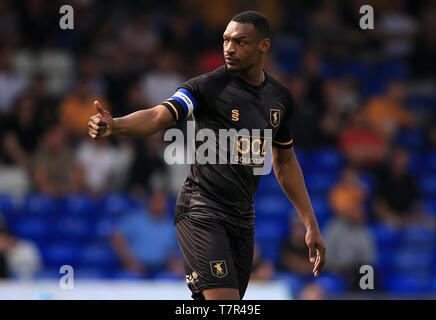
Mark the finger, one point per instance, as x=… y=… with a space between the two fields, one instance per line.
x=100 y=109
x=93 y=125
x=96 y=119
x=311 y=253
x=95 y=132
x=92 y=135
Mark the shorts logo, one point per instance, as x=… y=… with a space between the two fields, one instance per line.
x=218 y=268
x=274 y=117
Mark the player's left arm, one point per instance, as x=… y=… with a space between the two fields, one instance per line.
x=289 y=175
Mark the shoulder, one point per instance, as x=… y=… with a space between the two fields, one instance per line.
x=280 y=89
x=204 y=81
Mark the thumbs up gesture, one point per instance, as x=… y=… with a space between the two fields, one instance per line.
x=101 y=124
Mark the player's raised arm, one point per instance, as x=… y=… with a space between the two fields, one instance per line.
x=137 y=124
x=290 y=177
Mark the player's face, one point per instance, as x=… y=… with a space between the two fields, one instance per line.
x=241 y=46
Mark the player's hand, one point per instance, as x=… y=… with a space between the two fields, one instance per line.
x=316 y=247
x=101 y=124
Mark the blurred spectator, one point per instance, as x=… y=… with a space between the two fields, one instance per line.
x=103 y=164
x=145 y=240
x=11 y=85
x=54 y=171
x=312 y=291
x=294 y=252
x=263 y=269
x=3 y=266
x=348 y=193
x=397 y=28
x=46 y=104
x=78 y=107
x=361 y=145
x=307 y=114
x=161 y=83
x=326 y=27
x=22 y=257
x=153 y=176
x=387 y=113
x=120 y=87
x=23 y=133
x=397 y=197
x=347 y=238
x=422 y=59
x=332 y=119
x=139 y=37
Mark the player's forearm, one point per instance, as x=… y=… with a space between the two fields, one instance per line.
x=142 y=123
x=290 y=177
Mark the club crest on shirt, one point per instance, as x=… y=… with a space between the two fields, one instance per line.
x=218 y=268
x=274 y=117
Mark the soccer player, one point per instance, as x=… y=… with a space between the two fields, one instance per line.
x=214 y=215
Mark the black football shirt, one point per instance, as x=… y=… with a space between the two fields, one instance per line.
x=219 y=102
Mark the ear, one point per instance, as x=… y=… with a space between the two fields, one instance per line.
x=264 y=45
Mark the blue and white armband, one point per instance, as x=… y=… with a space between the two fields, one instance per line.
x=181 y=105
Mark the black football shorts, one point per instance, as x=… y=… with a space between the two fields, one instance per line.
x=216 y=254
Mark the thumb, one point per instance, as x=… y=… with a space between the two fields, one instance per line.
x=100 y=109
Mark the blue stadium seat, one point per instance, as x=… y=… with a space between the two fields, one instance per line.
x=121 y=274
x=115 y=204
x=357 y=69
x=319 y=183
x=269 y=185
x=406 y=283
x=428 y=185
x=90 y=273
x=392 y=69
x=49 y=274
x=40 y=204
x=270 y=248
x=78 y=205
x=8 y=207
x=418 y=236
x=430 y=162
x=33 y=228
x=75 y=228
x=430 y=205
x=411 y=260
x=413 y=140
x=386 y=237
x=321 y=209
x=61 y=253
x=417 y=164
x=272 y=206
x=98 y=254
x=331 y=283
x=325 y=160
x=266 y=229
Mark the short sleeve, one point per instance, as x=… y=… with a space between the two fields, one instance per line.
x=284 y=138
x=184 y=101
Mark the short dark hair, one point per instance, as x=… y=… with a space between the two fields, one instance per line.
x=258 y=20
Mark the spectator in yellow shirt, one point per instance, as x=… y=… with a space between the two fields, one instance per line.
x=77 y=108
x=387 y=113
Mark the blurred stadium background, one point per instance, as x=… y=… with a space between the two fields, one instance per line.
x=365 y=107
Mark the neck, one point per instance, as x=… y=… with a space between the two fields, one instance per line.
x=253 y=76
